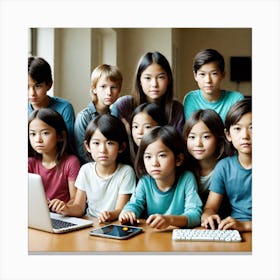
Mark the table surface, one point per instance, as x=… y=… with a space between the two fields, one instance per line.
x=150 y=241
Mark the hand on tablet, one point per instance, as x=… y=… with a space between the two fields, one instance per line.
x=128 y=217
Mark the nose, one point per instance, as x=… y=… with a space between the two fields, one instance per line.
x=31 y=91
x=155 y=161
x=208 y=78
x=198 y=141
x=245 y=133
x=38 y=138
x=102 y=147
x=154 y=82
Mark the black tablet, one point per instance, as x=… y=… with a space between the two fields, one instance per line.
x=116 y=231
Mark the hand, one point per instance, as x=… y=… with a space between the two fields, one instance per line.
x=127 y=217
x=56 y=205
x=158 y=221
x=104 y=217
x=212 y=221
x=231 y=223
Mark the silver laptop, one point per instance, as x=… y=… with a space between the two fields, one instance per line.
x=39 y=216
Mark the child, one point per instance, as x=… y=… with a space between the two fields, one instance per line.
x=153 y=83
x=209 y=71
x=39 y=82
x=232 y=175
x=51 y=157
x=106 y=83
x=166 y=190
x=204 y=133
x=105 y=184
x=144 y=118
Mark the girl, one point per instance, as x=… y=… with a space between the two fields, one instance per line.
x=232 y=175
x=144 y=118
x=51 y=157
x=104 y=185
x=153 y=83
x=204 y=133
x=166 y=190
x=106 y=83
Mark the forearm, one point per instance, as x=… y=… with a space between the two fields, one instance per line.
x=177 y=221
x=73 y=210
x=206 y=213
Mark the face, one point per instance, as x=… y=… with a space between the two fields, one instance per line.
x=142 y=122
x=160 y=162
x=240 y=134
x=37 y=93
x=201 y=142
x=106 y=91
x=102 y=150
x=43 y=138
x=154 y=82
x=209 y=78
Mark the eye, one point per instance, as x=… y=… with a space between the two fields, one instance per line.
x=191 y=137
x=31 y=134
x=162 y=155
x=148 y=126
x=147 y=157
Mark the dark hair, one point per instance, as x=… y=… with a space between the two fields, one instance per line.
x=113 y=129
x=215 y=124
x=55 y=120
x=172 y=139
x=139 y=96
x=39 y=70
x=235 y=113
x=207 y=56
x=155 y=112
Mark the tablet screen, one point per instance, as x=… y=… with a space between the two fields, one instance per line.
x=116 y=231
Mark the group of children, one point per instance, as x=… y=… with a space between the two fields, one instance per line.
x=145 y=155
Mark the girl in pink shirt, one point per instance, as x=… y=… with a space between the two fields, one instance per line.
x=50 y=156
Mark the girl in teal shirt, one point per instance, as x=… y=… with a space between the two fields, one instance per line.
x=167 y=191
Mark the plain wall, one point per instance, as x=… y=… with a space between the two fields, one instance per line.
x=75 y=52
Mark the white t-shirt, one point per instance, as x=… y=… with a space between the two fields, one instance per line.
x=102 y=193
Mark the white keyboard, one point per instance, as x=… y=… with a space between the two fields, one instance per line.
x=206 y=235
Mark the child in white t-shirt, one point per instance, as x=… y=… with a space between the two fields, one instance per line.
x=105 y=184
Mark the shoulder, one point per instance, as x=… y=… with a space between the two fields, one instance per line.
x=230 y=94
x=125 y=168
x=191 y=95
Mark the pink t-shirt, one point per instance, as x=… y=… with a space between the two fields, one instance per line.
x=56 y=181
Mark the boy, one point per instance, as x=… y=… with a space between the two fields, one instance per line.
x=39 y=82
x=208 y=69
x=106 y=83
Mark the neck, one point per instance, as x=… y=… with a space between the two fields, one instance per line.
x=101 y=109
x=105 y=171
x=44 y=104
x=49 y=160
x=245 y=160
x=213 y=96
x=206 y=166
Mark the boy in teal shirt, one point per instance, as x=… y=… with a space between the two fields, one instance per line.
x=208 y=69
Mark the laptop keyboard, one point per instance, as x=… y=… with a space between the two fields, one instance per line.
x=57 y=224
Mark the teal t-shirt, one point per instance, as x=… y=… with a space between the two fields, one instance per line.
x=194 y=100
x=181 y=199
x=230 y=178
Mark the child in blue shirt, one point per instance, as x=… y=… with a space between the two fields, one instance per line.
x=105 y=87
x=232 y=175
x=39 y=83
x=166 y=191
x=209 y=71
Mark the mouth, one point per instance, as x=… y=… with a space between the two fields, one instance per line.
x=155 y=172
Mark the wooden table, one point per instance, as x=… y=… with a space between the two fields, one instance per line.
x=150 y=241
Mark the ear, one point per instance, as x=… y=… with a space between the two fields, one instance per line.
x=195 y=76
x=223 y=75
x=49 y=85
x=227 y=134
x=179 y=159
x=122 y=147
x=87 y=146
